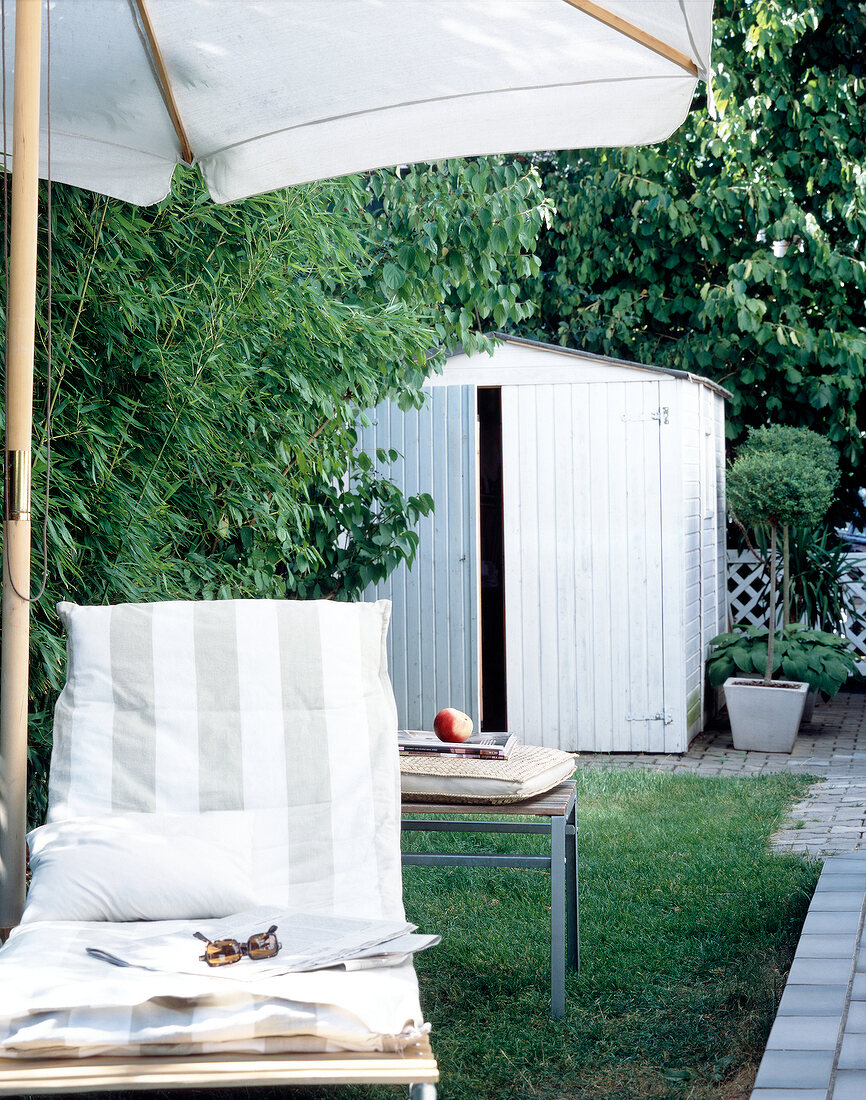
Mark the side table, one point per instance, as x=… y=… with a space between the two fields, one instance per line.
x=558 y=807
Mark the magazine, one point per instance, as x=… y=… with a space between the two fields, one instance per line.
x=482 y=746
x=308 y=941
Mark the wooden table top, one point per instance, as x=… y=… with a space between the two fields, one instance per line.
x=553 y=803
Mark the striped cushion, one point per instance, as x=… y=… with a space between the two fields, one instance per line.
x=284 y=708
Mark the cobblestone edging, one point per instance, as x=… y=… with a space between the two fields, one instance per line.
x=817 y=1046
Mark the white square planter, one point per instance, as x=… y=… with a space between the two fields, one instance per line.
x=765 y=718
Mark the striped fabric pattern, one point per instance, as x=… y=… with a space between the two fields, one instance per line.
x=58 y=1001
x=284 y=708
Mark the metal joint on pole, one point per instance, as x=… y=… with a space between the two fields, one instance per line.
x=16 y=499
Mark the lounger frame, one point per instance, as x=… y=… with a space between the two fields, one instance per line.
x=415 y=1067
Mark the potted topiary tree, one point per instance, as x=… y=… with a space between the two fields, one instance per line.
x=781 y=477
x=816 y=451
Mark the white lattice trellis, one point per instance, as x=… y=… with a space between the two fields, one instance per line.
x=746 y=583
x=746 y=586
x=856 y=628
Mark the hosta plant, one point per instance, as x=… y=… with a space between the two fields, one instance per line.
x=824 y=661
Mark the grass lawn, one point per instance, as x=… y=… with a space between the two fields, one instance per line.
x=688 y=926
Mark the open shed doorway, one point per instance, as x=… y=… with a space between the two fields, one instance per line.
x=494 y=714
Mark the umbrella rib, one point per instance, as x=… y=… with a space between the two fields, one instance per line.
x=161 y=73
x=615 y=22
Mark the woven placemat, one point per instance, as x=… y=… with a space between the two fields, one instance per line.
x=524 y=763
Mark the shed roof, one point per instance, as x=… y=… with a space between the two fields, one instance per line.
x=518 y=361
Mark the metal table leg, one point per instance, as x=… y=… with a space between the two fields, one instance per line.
x=557 y=917
x=561 y=828
x=571 y=888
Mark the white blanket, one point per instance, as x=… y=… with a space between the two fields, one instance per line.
x=57 y=1000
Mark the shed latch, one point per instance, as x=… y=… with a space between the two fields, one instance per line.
x=662 y=415
x=660 y=716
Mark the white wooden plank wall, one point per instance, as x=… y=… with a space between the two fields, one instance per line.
x=673 y=396
x=704 y=533
x=694 y=505
x=590 y=669
x=709 y=595
x=723 y=609
x=433 y=641
x=583 y=565
x=713 y=581
x=610 y=556
x=645 y=565
x=525 y=482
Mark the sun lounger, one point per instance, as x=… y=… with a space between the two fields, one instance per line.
x=215 y=765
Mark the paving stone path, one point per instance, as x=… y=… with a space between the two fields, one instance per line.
x=831 y=819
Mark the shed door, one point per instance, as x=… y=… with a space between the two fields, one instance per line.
x=585 y=630
x=433 y=642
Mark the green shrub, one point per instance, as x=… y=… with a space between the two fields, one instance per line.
x=823 y=660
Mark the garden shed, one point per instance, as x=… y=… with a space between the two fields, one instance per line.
x=574 y=569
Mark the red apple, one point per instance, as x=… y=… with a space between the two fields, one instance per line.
x=452 y=725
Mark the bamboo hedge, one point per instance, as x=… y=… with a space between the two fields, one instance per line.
x=210 y=364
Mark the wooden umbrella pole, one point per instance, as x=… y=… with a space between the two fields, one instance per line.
x=20 y=324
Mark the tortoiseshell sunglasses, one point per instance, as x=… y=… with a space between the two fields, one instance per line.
x=264 y=945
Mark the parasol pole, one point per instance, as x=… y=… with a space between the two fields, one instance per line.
x=20 y=325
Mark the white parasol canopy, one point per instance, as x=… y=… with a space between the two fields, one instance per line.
x=263 y=94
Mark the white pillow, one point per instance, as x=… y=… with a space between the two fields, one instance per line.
x=282 y=707
x=140 y=866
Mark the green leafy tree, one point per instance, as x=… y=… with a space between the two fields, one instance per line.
x=460 y=236
x=736 y=248
x=210 y=365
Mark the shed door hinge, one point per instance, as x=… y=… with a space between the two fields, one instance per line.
x=659 y=716
x=662 y=415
